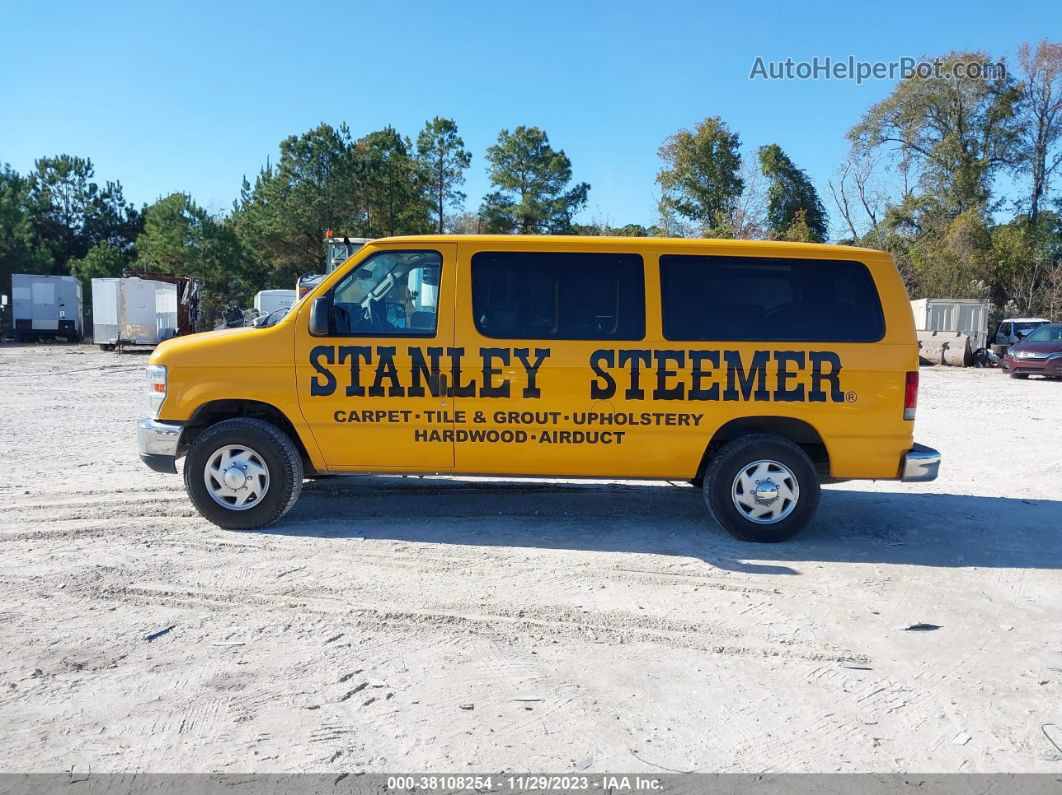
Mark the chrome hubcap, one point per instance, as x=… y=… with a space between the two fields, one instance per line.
x=765 y=492
x=236 y=477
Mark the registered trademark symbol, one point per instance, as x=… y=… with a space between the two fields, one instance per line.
x=850 y=397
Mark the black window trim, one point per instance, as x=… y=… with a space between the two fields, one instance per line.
x=755 y=259
x=330 y=295
x=485 y=335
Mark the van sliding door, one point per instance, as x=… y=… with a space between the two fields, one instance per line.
x=531 y=322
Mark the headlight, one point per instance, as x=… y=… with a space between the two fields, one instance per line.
x=1055 y=355
x=156 y=377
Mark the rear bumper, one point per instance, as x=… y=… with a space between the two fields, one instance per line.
x=158 y=443
x=920 y=464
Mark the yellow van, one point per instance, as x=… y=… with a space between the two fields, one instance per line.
x=755 y=370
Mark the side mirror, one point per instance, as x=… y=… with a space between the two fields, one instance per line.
x=320 y=315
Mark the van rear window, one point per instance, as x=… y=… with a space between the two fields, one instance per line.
x=765 y=299
x=564 y=296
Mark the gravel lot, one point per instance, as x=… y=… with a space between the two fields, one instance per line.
x=462 y=625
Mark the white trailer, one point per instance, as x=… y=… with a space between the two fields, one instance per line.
x=268 y=301
x=132 y=311
x=46 y=306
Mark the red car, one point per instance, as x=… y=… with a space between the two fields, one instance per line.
x=1040 y=353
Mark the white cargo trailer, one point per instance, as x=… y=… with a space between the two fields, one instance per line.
x=269 y=301
x=132 y=311
x=46 y=306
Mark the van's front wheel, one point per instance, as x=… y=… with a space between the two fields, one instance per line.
x=762 y=487
x=243 y=473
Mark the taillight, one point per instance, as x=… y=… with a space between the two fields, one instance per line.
x=910 y=395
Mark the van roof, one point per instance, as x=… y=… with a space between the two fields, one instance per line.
x=622 y=242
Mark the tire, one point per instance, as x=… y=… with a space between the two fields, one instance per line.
x=1022 y=376
x=269 y=448
x=783 y=465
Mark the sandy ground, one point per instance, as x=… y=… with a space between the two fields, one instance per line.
x=444 y=625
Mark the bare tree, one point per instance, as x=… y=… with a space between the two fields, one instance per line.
x=669 y=221
x=750 y=209
x=1052 y=294
x=1030 y=285
x=859 y=196
x=601 y=222
x=840 y=196
x=1041 y=109
x=871 y=195
x=465 y=224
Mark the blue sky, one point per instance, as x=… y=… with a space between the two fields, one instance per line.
x=191 y=96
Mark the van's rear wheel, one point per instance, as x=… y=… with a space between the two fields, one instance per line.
x=243 y=473
x=762 y=487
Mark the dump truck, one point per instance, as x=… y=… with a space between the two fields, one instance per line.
x=950 y=330
x=338 y=249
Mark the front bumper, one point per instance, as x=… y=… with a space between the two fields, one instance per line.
x=920 y=464
x=1044 y=366
x=158 y=443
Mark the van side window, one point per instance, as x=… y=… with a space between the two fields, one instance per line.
x=391 y=294
x=767 y=299
x=564 y=296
